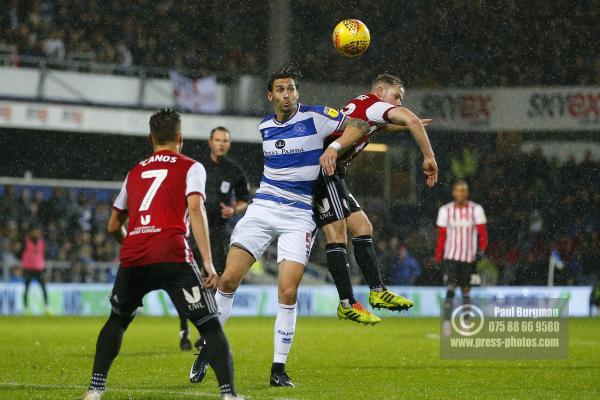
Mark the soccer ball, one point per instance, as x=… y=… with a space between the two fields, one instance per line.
x=351 y=38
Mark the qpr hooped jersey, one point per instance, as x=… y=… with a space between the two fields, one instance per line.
x=369 y=108
x=291 y=152
x=154 y=195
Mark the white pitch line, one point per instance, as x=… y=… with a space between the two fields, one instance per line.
x=432 y=336
x=186 y=393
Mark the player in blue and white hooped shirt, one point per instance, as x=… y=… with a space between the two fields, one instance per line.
x=293 y=140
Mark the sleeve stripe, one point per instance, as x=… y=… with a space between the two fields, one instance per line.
x=339 y=125
x=196 y=192
x=385 y=114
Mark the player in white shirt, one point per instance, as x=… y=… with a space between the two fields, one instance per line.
x=293 y=140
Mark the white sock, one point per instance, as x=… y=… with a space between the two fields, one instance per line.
x=285 y=326
x=224 y=304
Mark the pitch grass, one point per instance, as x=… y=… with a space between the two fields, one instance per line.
x=51 y=358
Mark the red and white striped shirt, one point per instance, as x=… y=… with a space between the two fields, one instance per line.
x=461 y=230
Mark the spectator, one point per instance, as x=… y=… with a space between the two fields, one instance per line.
x=33 y=261
x=404 y=271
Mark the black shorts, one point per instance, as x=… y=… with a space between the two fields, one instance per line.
x=332 y=201
x=219 y=246
x=29 y=275
x=457 y=273
x=181 y=281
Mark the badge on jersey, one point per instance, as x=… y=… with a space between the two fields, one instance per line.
x=225 y=187
x=331 y=112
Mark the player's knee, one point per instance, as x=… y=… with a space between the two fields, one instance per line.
x=121 y=319
x=336 y=232
x=363 y=228
x=229 y=282
x=288 y=294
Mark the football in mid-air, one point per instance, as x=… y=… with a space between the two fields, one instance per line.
x=351 y=38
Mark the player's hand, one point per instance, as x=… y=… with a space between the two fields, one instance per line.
x=328 y=160
x=430 y=169
x=226 y=211
x=425 y=121
x=211 y=280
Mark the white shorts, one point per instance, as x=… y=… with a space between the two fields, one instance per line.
x=266 y=221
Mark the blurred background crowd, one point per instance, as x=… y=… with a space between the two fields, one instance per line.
x=548 y=206
x=557 y=45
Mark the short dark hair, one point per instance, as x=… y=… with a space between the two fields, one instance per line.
x=387 y=78
x=218 y=128
x=165 y=125
x=291 y=70
x=459 y=182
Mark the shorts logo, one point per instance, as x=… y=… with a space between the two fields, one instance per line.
x=324 y=206
x=280 y=144
x=145 y=219
x=194 y=297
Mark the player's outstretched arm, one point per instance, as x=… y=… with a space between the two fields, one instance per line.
x=354 y=129
x=199 y=224
x=115 y=226
x=401 y=128
x=403 y=116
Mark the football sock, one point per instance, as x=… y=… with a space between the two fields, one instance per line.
x=218 y=354
x=98 y=382
x=285 y=326
x=466 y=299
x=183 y=327
x=448 y=304
x=365 y=256
x=107 y=348
x=224 y=303
x=339 y=268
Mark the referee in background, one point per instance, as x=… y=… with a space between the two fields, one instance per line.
x=462 y=241
x=227 y=195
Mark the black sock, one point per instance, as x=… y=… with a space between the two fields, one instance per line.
x=25 y=293
x=107 y=348
x=277 y=368
x=183 y=326
x=466 y=299
x=448 y=308
x=218 y=354
x=339 y=268
x=365 y=256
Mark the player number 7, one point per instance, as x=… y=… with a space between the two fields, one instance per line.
x=159 y=176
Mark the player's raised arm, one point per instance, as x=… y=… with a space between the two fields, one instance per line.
x=403 y=116
x=354 y=129
x=199 y=225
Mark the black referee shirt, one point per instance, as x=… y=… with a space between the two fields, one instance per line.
x=225 y=182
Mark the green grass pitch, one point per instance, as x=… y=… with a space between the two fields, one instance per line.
x=51 y=358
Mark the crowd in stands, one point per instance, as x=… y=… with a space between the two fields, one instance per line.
x=185 y=35
x=430 y=44
x=533 y=205
x=73 y=223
